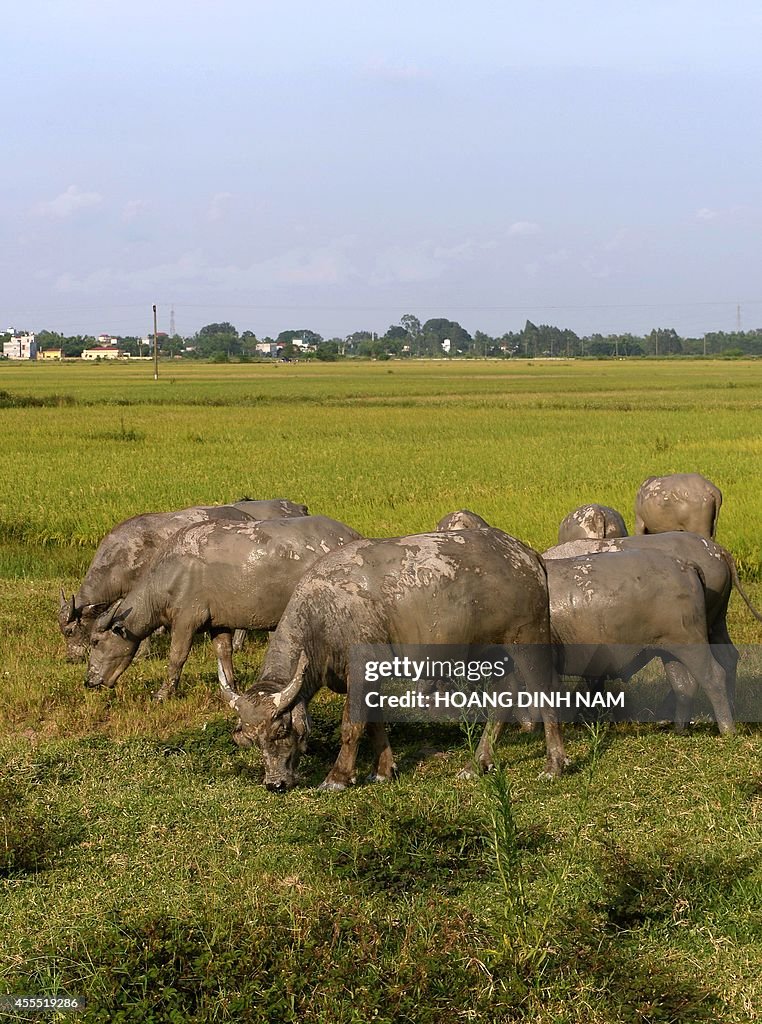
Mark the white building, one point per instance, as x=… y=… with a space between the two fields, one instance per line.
x=21 y=346
x=103 y=352
x=303 y=346
x=266 y=348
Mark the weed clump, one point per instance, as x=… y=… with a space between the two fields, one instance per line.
x=30 y=837
x=275 y=963
x=9 y=400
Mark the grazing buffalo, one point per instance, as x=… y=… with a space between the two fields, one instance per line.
x=126 y=551
x=591 y=522
x=462 y=587
x=715 y=572
x=714 y=564
x=612 y=613
x=219 y=576
x=683 y=501
x=463 y=519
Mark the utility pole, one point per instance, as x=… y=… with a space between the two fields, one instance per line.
x=155 y=346
x=738 y=318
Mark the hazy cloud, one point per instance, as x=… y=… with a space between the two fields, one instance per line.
x=524 y=228
x=424 y=261
x=550 y=259
x=217 y=206
x=68 y=203
x=619 y=240
x=134 y=208
x=188 y=269
x=706 y=214
x=314 y=265
x=595 y=268
x=319 y=265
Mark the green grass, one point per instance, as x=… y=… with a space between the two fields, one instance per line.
x=389 y=451
x=144 y=866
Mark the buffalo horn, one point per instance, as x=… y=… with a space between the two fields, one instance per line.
x=105 y=620
x=68 y=609
x=289 y=696
x=251 y=711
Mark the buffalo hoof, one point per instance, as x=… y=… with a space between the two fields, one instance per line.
x=332 y=786
x=376 y=777
x=277 y=787
x=553 y=769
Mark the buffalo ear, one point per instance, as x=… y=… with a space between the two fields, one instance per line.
x=302 y=723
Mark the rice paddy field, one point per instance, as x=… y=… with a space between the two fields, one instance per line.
x=144 y=868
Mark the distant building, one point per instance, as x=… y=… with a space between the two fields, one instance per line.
x=104 y=352
x=50 y=354
x=267 y=348
x=21 y=346
x=107 y=339
x=303 y=346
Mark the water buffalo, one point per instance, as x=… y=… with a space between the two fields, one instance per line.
x=591 y=522
x=716 y=568
x=683 y=501
x=219 y=576
x=458 y=587
x=612 y=613
x=126 y=551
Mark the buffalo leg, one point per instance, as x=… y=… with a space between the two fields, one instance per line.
x=484 y=756
x=534 y=667
x=343 y=773
x=684 y=688
x=223 y=647
x=698 y=660
x=726 y=653
x=383 y=756
x=182 y=640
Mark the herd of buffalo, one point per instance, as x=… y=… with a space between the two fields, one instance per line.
x=323 y=588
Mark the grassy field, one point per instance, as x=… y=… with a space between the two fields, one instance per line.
x=144 y=867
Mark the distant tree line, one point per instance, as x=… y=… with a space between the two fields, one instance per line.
x=436 y=338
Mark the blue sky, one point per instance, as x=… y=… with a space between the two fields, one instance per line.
x=334 y=165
